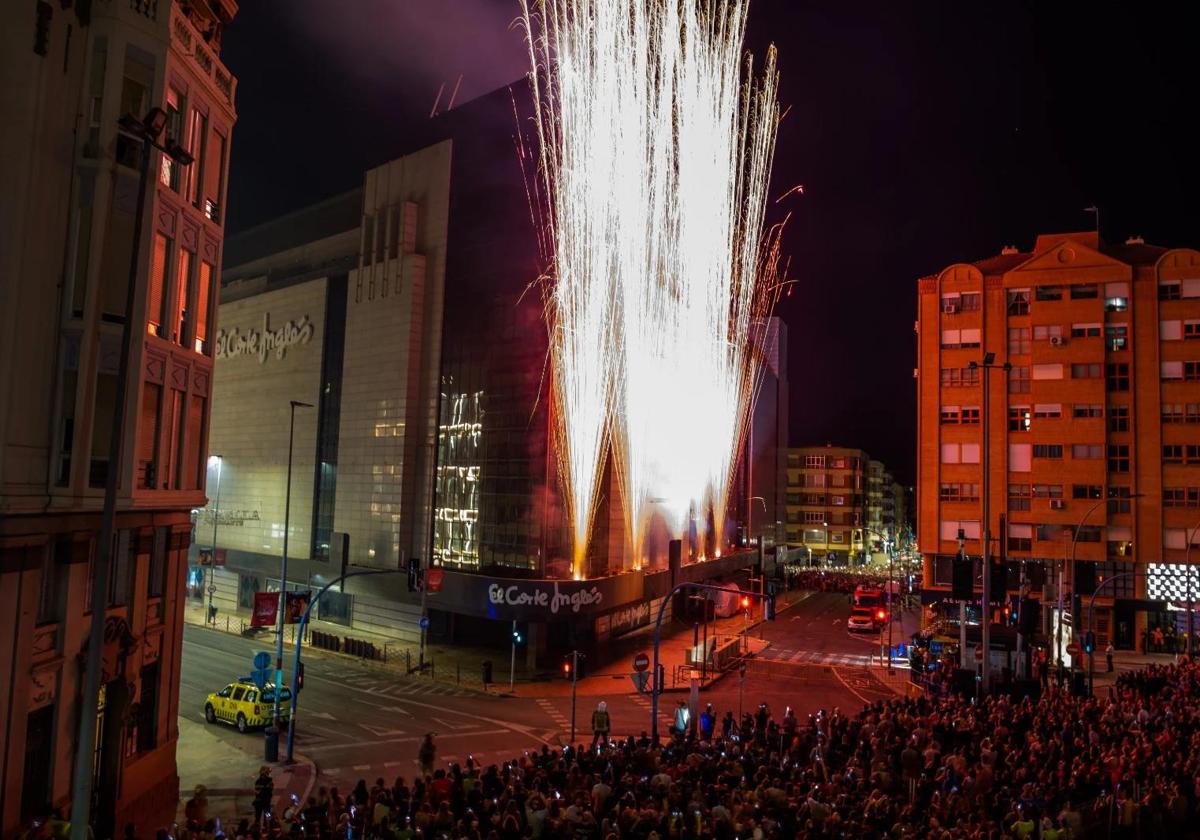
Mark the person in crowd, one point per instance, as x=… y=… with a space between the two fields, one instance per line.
x=264 y=792
x=600 y=724
x=426 y=754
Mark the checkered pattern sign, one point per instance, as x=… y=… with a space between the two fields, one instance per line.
x=1168 y=582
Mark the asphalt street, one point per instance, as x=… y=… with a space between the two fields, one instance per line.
x=362 y=721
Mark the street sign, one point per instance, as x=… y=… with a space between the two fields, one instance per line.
x=424 y=622
x=641 y=662
x=433 y=580
x=1073 y=649
x=262 y=659
x=640 y=679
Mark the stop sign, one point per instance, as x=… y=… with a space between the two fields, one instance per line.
x=641 y=662
x=1074 y=649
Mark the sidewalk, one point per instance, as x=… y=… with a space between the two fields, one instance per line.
x=228 y=772
x=460 y=665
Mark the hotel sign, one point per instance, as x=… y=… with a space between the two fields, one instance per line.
x=265 y=341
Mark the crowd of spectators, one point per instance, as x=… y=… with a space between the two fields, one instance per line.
x=1124 y=765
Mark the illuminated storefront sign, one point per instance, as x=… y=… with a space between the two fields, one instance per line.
x=545 y=597
x=265 y=341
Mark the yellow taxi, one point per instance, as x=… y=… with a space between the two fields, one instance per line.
x=244 y=705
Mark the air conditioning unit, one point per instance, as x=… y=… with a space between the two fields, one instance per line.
x=1057 y=341
x=949 y=307
x=1057 y=504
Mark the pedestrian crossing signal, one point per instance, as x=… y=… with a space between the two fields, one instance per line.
x=518 y=638
x=1089 y=642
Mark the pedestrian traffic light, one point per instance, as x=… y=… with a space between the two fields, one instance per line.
x=299 y=676
x=518 y=637
x=1089 y=642
x=567 y=667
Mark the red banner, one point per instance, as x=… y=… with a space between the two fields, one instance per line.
x=433 y=580
x=266 y=604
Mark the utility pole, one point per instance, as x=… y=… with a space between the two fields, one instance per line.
x=574 y=683
x=512 y=663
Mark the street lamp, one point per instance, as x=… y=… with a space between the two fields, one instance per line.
x=272 y=737
x=985 y=624
x=212 y=561
x=825 y=524
x=1187 y=570
x=147 y=131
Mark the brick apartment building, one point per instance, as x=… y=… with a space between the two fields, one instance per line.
x=1094 y=432
x=831 y=492
x=67 y=232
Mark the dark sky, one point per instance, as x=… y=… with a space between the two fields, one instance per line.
x=923 y=133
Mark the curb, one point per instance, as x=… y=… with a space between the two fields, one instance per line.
x=312 y=777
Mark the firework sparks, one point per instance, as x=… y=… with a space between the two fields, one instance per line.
x=655 y=158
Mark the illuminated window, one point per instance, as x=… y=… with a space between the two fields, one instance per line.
x=1018 y=418
x=1116 y=337
x=170 y=170
x=156 y=299
x=182 y=296
x=203 y=296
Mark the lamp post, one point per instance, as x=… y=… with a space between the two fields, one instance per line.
x=985 y=618
x=1187 y=570
x=272 y=736
x=825 y=524
x=147 y=131
x=212 y=561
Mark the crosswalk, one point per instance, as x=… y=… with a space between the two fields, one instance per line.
x=388 y=685
x=815 y=657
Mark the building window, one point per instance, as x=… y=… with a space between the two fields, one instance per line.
x=969 y=301
x=1172 y=412
x=1018 y=379
x=1047 y=410
x=1116 y=297
x=1046 y=332
x=197 y=143
x=36 y=779
x=1047 y=491
x=156 y=300
x=147 y=706
x=959 y=492
x=1170 y=291
x=1085 y=291
x=1047 y=293
x=1122 y=587
x=1018 y=301
x=1019 y=497
x=838 y=500
x=1085 y=330
x=1116 y=337
x=53 y=589
x=214 y=177
x=1191 y=329
x=170 y=170
x=949 y=415
x=1193 y=412
x=182 y=298
x=1018 y=418
x=1047 y=450
x=1018 y=341
x=1119 y=500
x=815 y=517
x=1170 y=330
x=156 y=580
x=1087 y=410
x=1118 y=418
x=970 y=415
x=1118 y=458
x=1020 y=544
x=814 y=461
x=1191 y=371
x=1085 y=371
x=1087 y=450
x=1117 y=376
x=1085 y=491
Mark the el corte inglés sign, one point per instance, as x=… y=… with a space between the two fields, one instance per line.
x=265 y=341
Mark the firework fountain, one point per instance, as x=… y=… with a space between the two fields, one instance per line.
x=655 y=153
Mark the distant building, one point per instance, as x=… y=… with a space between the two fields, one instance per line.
x=832 y=492
x=766 y=440
x=71 y=177
x=1099 y=406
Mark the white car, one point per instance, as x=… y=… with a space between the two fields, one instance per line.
x=861 y=618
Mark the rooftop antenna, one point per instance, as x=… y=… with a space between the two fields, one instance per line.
x=1094 y=209
x=433 y=111
x=454 y=94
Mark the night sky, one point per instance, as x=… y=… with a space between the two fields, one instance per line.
x=923 y=133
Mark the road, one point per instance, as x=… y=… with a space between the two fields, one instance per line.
x=363 y=721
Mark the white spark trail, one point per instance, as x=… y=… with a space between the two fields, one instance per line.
x=655 y=157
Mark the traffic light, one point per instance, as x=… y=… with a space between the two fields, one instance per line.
x=518 y=637
x=881 y=615
x=999 y=581
x=1089 y=642
x=962 y=581
x=567 y=667
x=300 y=676
x=745 y=602
x=414 y=574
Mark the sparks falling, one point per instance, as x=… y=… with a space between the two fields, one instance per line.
x=655 y=153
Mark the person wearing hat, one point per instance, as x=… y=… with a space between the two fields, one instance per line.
x=600 y=723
